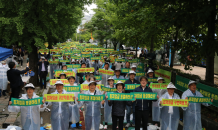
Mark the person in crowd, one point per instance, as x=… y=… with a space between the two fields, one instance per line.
x=150 y=73
x=142 y=106
x=59 y=110
x=169 y=115
x=104 y=76
x=45 y=55
x=87 y=75
x=92 y=109
x=15 y=80
x=74 y=110
x=131 y=80
x=64 y=67
x=192 y=113
x=3 y=77
x=80 y=75
x=127 y=66
x=118 y=108
x=20 y=56
x=155 y=106
x=30 y=115
x=96 y=64
x=85 y=60
x=107 y=108
x=61 y=64
x=43 y=71
x=52 y=68
x=142 y=55
x=63 y=76
x=117 y=74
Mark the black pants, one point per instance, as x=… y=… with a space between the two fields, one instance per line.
x=114 y=120
x=141 y=116
x=20 y=62
x=42 y=76
x=15 y=93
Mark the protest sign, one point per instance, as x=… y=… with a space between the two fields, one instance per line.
x=26 y=102
x=72 y=88
x=83 y=70
x=53 y=81
x=163 y=73
x=193 y=99
x=131 y=86
x=108 y=89
x=107 y=72
x=145 y=95
x=59 y=97
x=85 y=97
x=121 y=96
x=152 y=79
x=175 y=102
x=158 y=85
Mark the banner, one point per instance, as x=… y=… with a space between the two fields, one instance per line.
x=95 y=58
x=140 y=67
x=42 y=51
x=104 y=54
x=152 y=79
x=122 y=50
x=121 y=96
x=86 y=55
x=139 y=74
x=64 y=60
x=107 y=72
x=59 y=97
x=122 y=80
x=83 y=70
x=175 y=102
x=98 y=77
x=131 y=86
x=86 y=86
x=54 y=50
x=207 y=91
x=72 y=88
x=76 y=57
x=56 y=56
x=199 y=100
x=164 y=74
x=76 y=51
x=73 y=65
x=125 y=70
x=120 y=60
x=26 y=102
x=145 y=95
x=129 y=55
x=53 y=81
x=68 y=73
x=108 y=89
x=95 y=98
x=133 y=61
x=158 y=85
x=53 y=62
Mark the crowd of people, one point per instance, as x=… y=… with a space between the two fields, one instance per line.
x=63 y=114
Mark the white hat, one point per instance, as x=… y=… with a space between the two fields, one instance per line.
x=150 y=70
x=160 y=78
x=123 y=57
x=170 y=85
x=92 y=82
x=130 y=58
x=192 y=82
x=42 y=57
x=133 y=66
x=29 y=85
x=73 y=60
x=105 y=56
x=91 y=72
x=3 y=62
x=119 y=82
x=110 y=78
x=117 y=68
x=132 y=72
x=59 y=82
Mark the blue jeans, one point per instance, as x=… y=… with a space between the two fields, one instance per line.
x=128 y=108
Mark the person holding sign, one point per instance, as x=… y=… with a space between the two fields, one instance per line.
x=92 y=108
x=30 y=115
x=118 y=107
x=142 y=106
x=107 y=108
x=131 y=80
x=105 y=76
x=96 y=64
x=60 y=110
x=74 y=110
x=87 y=75
x=192 y=113
x=169 y=115
x=155 y=106
x=62 y=76
x=117 y=74
x=150 y=73
x=80 y=75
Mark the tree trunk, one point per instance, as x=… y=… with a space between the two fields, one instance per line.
x=152 y=44
x=211 y=40
x=173 y=50
x=33 y=60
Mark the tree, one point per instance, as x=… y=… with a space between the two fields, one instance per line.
x=34 y=22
